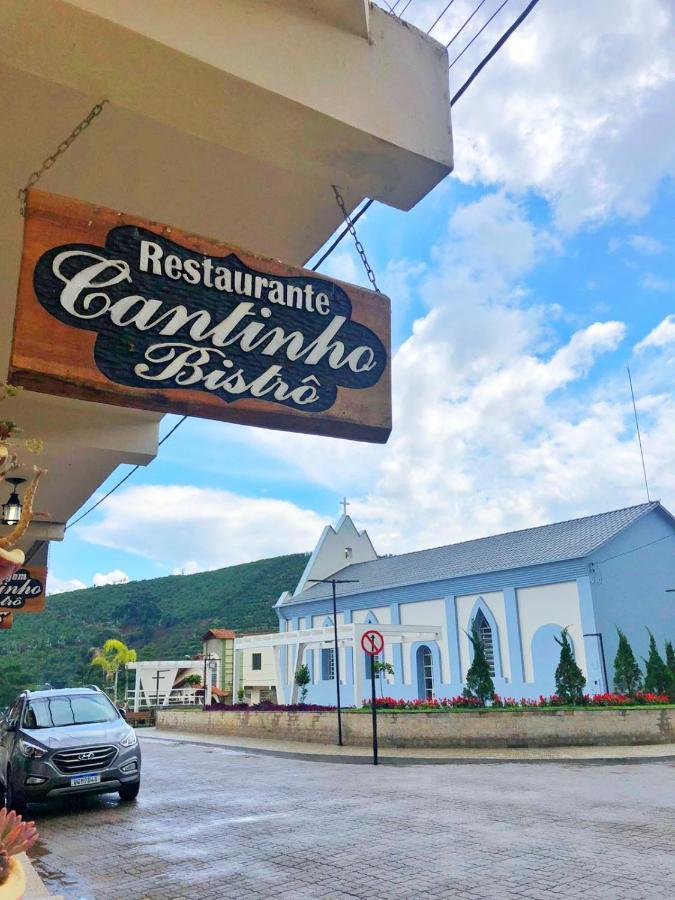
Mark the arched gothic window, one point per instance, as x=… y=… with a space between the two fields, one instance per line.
x=485 y=632
x=425 y=673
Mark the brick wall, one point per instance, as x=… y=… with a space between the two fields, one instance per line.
x=517 y=728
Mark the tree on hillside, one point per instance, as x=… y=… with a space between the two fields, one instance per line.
x=13 y=680
x=111 y=658
x=627 y=672
x=569 y=679
x=479 y=682
x=657 y=674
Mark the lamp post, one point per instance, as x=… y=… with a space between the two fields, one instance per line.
x=333 y=582
x=212 y=662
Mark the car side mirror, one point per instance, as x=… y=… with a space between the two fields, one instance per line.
x=122 y=711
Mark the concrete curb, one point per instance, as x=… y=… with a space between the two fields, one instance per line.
x=537 y=757
x=35 y=886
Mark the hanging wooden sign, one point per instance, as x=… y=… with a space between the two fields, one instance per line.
x=6 y=619
x=121 y=310
x=24 y=591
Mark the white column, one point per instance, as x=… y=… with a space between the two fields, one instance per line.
x=235 y=674
x=297 y=662
x=278 y=680
x=137 y=690
x=358 y=667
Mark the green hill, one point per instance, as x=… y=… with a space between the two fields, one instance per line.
x=162 y=618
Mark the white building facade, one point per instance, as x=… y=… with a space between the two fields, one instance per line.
x=521 y=589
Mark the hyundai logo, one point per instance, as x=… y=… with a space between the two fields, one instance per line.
x=89 y=755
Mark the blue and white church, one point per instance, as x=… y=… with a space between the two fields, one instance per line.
x=590 y=575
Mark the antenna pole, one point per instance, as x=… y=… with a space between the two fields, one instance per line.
x=637 y=428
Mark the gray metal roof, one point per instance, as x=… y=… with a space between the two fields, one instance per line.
x=513 y=550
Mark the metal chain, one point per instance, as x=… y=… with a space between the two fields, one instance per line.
x=359 y=246
x=63 y=146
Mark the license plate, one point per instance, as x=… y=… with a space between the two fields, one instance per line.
x=85 y=779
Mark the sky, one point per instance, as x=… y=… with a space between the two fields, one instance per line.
x=522 y=287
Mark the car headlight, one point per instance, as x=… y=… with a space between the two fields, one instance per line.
x=32 y=750
x=130 y=740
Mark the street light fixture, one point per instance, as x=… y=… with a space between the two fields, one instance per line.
x=335 y=581
x=11 y=510
x=212 y=662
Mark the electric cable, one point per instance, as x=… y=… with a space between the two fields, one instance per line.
x=440 y=16
x=460 y=30
x=500 y=43
x=122 y=480
x=478 y=34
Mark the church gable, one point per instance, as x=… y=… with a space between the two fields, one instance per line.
x=338 y=547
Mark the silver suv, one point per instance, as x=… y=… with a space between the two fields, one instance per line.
x=58 y=743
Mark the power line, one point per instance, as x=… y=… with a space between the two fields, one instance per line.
x=635 y=549
x=639 y=436
x=355 y=218
x=478 y=34
x=500 y=43
x=440 y=16
x=460 y=30
x=122 y=480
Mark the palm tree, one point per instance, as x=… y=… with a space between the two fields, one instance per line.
x=111 y=657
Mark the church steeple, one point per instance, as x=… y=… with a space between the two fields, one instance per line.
x=338 y=547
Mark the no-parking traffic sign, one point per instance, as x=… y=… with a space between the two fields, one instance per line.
x=372 y=642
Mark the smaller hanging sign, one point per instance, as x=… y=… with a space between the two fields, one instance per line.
x=6 y=620
x=121 y=310
x=24 y=591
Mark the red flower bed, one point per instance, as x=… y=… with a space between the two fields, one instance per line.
x=267 y=706
x=460 y=702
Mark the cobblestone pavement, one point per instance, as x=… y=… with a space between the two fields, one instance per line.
x=213 y=823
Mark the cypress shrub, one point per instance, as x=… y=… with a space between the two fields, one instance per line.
x=657 y=674
x=627 y=672
x=479 y=683
x=569 y=679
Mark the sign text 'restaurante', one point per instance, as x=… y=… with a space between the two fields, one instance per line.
x=165 y=316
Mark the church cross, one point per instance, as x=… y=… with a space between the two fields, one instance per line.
x=344 y=503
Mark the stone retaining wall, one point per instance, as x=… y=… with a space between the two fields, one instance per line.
x=512 y=728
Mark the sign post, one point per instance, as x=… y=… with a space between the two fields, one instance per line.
x=372 y=643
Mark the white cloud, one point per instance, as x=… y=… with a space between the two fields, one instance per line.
x=57 y=585
x=654 y=283
x=661 y=336
x=577 y=105
x=501 y=420
x=116 y=576
x=641 y=243
x=188 y=527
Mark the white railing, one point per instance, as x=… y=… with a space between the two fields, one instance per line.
x=177 y=697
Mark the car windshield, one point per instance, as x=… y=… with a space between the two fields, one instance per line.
x=79 y=709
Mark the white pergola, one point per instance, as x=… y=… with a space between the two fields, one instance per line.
x=349 y=636
x=155 y=681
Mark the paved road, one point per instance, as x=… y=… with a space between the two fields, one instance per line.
x=213 y=823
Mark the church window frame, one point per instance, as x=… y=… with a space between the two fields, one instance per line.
x=328 y=663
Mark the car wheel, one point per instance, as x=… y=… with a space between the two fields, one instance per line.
x=14 y=799
x=129 y=791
